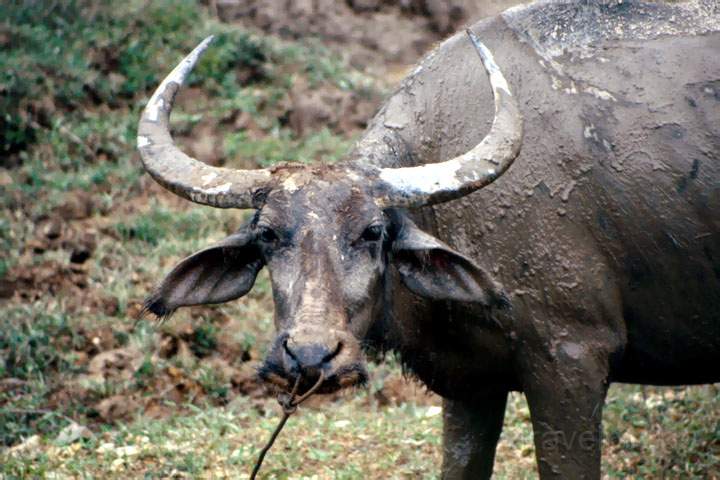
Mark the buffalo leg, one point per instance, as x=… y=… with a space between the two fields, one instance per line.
x=566 y=399
x=470 y=435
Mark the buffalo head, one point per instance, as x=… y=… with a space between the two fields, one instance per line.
x=327 y=234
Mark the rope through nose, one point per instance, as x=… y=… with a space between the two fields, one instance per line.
x=289 y=405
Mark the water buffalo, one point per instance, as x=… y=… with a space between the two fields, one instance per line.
x=594 y=259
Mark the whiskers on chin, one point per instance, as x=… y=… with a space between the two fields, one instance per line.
x=345 y=377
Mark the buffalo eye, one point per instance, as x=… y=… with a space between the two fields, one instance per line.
x=373 y=233
x=267 y=235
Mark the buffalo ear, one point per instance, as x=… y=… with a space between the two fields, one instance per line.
x=431 y=269
x=217 y=274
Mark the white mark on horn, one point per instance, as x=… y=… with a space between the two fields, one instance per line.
x=224 y=188
x=153 y=108
x=142 y=141
x=497 y=79
x=208 y=178
x=289 y=185
x=499 y=83
x=432 y=177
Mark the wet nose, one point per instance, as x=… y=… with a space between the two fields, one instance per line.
x=310 y=359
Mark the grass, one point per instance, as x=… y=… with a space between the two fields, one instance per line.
x=75 y=76
x=280 y=146
x=355 y=437
x=223 y=443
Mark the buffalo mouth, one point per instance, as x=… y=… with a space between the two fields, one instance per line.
x=335 y=379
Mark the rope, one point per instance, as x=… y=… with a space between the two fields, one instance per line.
x=289 y=405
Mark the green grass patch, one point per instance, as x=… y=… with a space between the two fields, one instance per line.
x=357 y=438
x=34 y=344
x=281 y=146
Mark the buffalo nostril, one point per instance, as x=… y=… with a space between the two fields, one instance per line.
x=287 y=350
x=311 y=358
x=333 y=353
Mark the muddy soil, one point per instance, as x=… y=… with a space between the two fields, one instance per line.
x=374 y=34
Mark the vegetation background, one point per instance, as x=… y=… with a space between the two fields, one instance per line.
x=87 y=388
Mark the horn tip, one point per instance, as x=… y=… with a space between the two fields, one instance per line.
x=480 y=47
x=473 y=36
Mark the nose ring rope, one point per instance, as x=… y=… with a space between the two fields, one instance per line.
x=289 y=404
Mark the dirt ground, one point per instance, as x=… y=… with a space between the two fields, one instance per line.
x=383 y=35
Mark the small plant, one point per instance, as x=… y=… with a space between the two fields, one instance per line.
x=144 y=372
x=204 y=339
x=148 y=227
x=34 y=346
x=4 y=267
x=214 y=385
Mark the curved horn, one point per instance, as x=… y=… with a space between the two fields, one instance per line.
x=439 y=182
x=179 y=173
